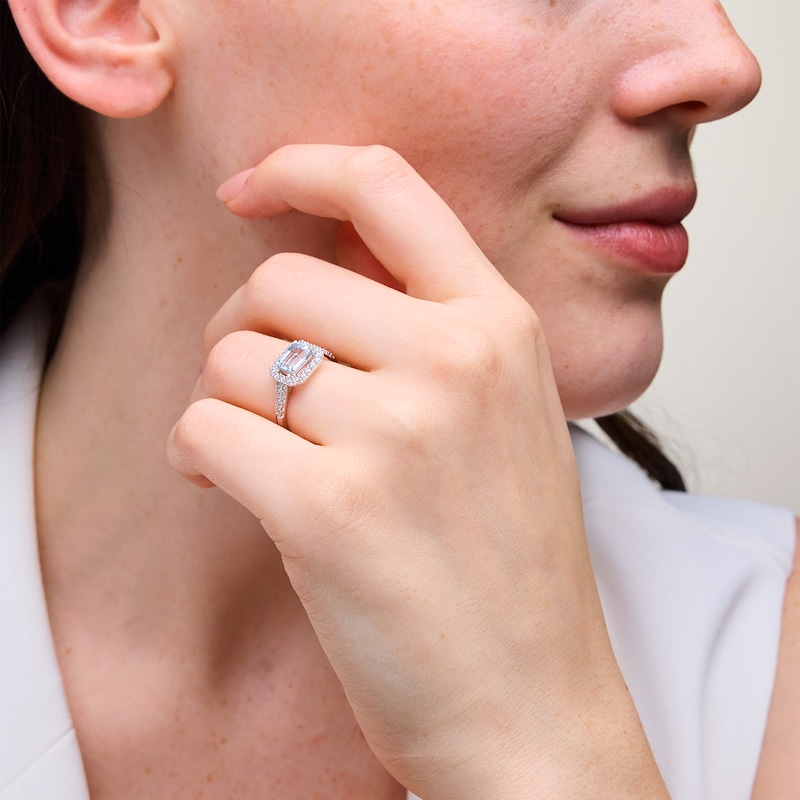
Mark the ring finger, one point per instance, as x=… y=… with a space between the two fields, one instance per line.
x=237 y=371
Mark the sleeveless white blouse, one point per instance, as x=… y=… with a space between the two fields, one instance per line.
x=692 y=589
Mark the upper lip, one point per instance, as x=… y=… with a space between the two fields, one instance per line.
x=663 y=207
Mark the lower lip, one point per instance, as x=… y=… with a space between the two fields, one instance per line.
x=659 y=249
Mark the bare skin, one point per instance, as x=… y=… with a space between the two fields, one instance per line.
x=174 y=641
x=192 y=663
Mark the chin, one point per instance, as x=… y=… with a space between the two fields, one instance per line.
x=607 y=381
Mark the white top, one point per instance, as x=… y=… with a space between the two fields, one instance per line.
x=39 y=756
x=692 y=589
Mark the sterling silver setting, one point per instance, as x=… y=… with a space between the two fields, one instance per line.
x=293 y=367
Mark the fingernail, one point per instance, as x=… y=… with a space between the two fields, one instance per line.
x=233 y=186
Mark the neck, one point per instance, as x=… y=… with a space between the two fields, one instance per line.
x=127 y=545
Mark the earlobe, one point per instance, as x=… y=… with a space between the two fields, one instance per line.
x=104 y=54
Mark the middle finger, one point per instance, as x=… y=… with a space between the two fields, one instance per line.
x=293 y=296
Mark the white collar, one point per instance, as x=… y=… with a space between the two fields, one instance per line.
x=39 y=756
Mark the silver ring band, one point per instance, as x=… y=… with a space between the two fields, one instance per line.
x=293 y=367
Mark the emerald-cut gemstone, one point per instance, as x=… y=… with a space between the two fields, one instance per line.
x=297 y=362
x=294 y=358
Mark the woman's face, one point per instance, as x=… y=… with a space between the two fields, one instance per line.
x=558 y=130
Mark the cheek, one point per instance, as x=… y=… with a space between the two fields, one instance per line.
x=467 y=94
x=489 y=113
x=484 y=130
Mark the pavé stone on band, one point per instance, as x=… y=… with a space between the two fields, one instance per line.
x=293 y=367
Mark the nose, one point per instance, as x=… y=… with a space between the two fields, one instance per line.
x=697 y=70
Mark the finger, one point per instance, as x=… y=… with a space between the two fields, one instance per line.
x=408 y=228
x=242 y=453
x=292 y=296
x=320 y=410
x=355 y=256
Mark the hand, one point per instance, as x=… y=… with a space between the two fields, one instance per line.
x=425 y=501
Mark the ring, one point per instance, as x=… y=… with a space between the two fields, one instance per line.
x=293 y=367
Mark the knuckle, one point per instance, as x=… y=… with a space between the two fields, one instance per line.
x=471 y=362
x=466 y=353
x=224 y=357
x=281 y=274
x=377 y=168
x=258 y=287
x=191 y=431
x=523 y=322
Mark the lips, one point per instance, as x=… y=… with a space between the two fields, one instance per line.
x=644 y=233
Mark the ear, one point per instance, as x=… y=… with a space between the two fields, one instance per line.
x=106 y=55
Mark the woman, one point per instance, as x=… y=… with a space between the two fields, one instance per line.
x=429 y=619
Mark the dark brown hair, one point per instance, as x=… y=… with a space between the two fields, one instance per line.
x=44 y=197
x=634 y=439
x=43 y=189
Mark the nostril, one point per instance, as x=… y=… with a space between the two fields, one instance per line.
x=692 y=106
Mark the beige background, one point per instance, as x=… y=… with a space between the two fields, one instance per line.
x=727 y=399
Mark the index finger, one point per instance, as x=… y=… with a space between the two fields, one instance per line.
x=401 y=219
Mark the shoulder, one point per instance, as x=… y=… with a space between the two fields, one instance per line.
x=692 y=589
x=779 y=769
x=621 y=502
